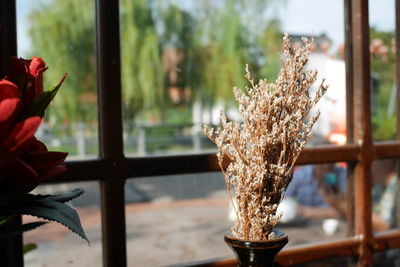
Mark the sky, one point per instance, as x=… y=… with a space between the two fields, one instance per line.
x=318 y=16
x=297 y=17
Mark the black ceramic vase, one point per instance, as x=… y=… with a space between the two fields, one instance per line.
x=256 y=253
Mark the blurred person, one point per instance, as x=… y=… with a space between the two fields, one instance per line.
x=309 y=182
x=385 y=203
x=384 y=196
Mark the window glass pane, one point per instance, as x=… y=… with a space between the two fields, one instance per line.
x=63 y=34
x=387 y=258
x=383 y=69
x=385 y=195
x=56 y=244
x=314 y=208
x=176 y=219
x=183 y=218
x=178 y=69
x=324 y=21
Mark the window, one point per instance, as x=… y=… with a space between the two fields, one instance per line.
x=112 y=168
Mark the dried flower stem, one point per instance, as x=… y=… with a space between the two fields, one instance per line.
x=263 y=150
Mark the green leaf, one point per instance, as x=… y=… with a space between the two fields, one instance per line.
x=4 y=219
x=55 y=211
x=44 y=206
x=67 y=196
x=39 y=105
x=29 y=247
x=7 y=232
x=11 y=203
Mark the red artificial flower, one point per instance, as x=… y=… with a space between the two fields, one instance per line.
x=24 y=161
x=33 y=167
x=28 y=76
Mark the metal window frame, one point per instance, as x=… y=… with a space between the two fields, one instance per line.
x=112 y=168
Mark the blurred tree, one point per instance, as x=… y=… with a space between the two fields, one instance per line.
x=177 y=30
x=194 y=51
x=271 y=41
x=243 y=35
x=142 y=70
x=63 y=35
x=224 y=56
x=383 y=68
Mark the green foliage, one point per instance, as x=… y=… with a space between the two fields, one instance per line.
x=7 y=231
x=384 y=127
x=271 y=42
x=142 y=71
x=63 y=35
x=48 y=207
x=66 y=196
x=4 y=219
x=40 y=103
x=212 y=40
x=227 y=54
x=383 y=67
x=29 y=247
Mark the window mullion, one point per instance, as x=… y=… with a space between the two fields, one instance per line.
x=397 y=81
x=349 y=113
x=11 y=248
x=8 y=35
x=362 y=129
x=110 y=133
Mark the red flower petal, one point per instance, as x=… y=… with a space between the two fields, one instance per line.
x=37 y=66
x=8 y=90
x=21 y=133
x=8 y=110
x=56 y=171
x=37 y=146
x=44 y=161
x=18 y=72
x=30 y=90
x=20 y=177
x=6 y=157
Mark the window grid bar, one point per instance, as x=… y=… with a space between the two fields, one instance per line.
x=348 y=30
x=142 y=167
x=110 y=133
x=85 y=171
x=96 y=170
x=8 y=38
x=386 y=150
x=308 y=253
x=303 y=254
x=362 y=130
x=387 y=240
x=397 y=82
x=11 y=249
x=313 y=252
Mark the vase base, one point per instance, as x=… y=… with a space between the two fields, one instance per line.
x=256 y=253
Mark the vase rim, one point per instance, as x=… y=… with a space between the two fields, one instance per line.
x=281 y=239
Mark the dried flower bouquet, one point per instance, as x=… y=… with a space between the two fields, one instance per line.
x=263 y=149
